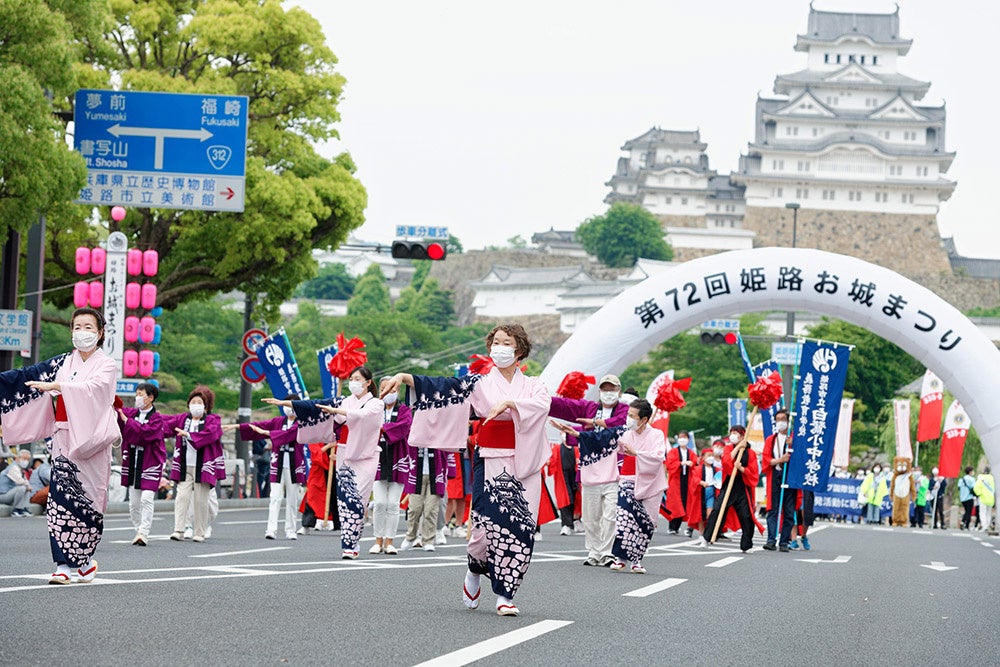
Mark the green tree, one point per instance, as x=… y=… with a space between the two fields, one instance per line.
x=371 y=296
x=623 y=234
x=422 y=270
x=406 y=304
x=877 y=368
x=716 y=370
x=454 y=246
x=331 y=282
x=295 y=199
x=433 y=306
x=40 y=42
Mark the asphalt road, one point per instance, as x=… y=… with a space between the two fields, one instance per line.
x=240 y=599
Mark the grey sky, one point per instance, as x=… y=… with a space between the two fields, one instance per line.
x=497 y=119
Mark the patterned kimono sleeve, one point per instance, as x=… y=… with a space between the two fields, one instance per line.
x=314 y=424
x=596 y=445
x=399 y=430
x=26 y=414
x=93 y=423
x=210 y=433
x=441 y=419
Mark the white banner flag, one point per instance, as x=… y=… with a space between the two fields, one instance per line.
x=901 y=410
x=842 y=446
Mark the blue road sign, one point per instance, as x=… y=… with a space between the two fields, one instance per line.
x=421 y=232
x=127 y=387
x=162 y=150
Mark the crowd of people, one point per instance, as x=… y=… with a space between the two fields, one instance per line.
x=480 y=456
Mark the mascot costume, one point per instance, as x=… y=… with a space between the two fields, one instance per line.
x=903 y=491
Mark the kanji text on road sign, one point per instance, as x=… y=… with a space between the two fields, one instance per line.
x=162 y=150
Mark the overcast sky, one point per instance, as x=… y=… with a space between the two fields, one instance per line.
x=504 y=118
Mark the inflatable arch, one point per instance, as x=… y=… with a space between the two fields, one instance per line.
x=763 y=279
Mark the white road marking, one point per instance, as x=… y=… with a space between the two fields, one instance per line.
x=480 y=650
x=646 y=591
x=939 y=566
x=729 y=560
x=839 y=559
x=922 y=531
x=986 y=544
x=883 y=529
x=237 y=553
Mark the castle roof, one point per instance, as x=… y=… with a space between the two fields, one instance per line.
x=656 y=136
x=832 y=27
x=508 y=276
x=853 y=76
x=851 y=139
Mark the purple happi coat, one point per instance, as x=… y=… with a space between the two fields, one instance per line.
x=396 y=453
x=205 y=452
x=144 y=451
x=444 y=468
x=283 y=434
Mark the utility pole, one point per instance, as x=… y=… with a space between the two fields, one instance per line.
x=790 y=318
x=8 y=286
x=244 y=411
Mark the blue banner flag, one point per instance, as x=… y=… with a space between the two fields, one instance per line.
x=280 y=368
x=747 y=366
x=841 y=498
x=737 y=412
x=822 y=374
x=330 y=384
x=767 y=416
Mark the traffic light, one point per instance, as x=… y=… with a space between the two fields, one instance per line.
x=718 y=338
x=432 y=250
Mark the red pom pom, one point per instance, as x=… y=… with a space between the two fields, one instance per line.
x=668 y=396
x=350 y=355
x=480 y=364
x=117 y=403
x=575 y=384
x=766 y=391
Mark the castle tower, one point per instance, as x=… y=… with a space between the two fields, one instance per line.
x=848 y=139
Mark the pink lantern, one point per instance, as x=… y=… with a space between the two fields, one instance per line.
x=98 y=257
x=83 y=261
x=96 y=294
x=133 y=292
x=149 y=296
x=81 y=292
x=145 y=363
x=150 y=262
x=131 y=328
x=147 y=329
x=117 y=213
x=130 y=363
x=134 y=262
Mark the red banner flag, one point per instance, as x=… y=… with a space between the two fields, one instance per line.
x=931 y=405
x=956 y=428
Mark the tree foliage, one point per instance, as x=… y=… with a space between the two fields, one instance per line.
x=371 y=296
x=331 y=282
x=40 y=41
x=295 y=199
x=623 y=234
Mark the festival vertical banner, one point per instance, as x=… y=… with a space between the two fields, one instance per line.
x=842 y=446
x=956 y=428
x=330 y=384
x=280 y=369
x=901 y=416
x=767 y=416
x=823 y=372
x=737 y=412
x=931 y=406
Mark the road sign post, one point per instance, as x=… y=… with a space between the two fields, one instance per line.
x=162 y=150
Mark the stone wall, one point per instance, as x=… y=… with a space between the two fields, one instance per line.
x=690 y=221
x=908 y=244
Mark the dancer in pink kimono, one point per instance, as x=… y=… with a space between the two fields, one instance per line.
x=361 y=414
x=84 y=429
x=512 y=448
x=640 y=487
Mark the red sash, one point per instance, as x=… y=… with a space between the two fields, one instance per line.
x=627 y=467
x=61 y=415
x=496 y=435
x=342 y=435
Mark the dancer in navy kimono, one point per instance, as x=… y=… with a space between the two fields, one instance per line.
x=511 y=450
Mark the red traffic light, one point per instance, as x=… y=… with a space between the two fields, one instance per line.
x=730 y=338
x=419 y=250
x=717 y=338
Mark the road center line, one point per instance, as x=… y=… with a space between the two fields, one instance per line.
x=488 y=647
x=646 y=591
x=729 y=560
x=237 y=553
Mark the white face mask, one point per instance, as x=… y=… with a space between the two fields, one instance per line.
x=782 y=426
x=23 y=464
x=288 y=410
x=631 y=424
x=709 y=460
x=140 y=403
x=717 y=450
x=390 y=398
x=609 y=397
x=196 y=409
x=356 y=388
x=734 y=438
x=502 y=355
x=682 y=442
x=85 y=341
